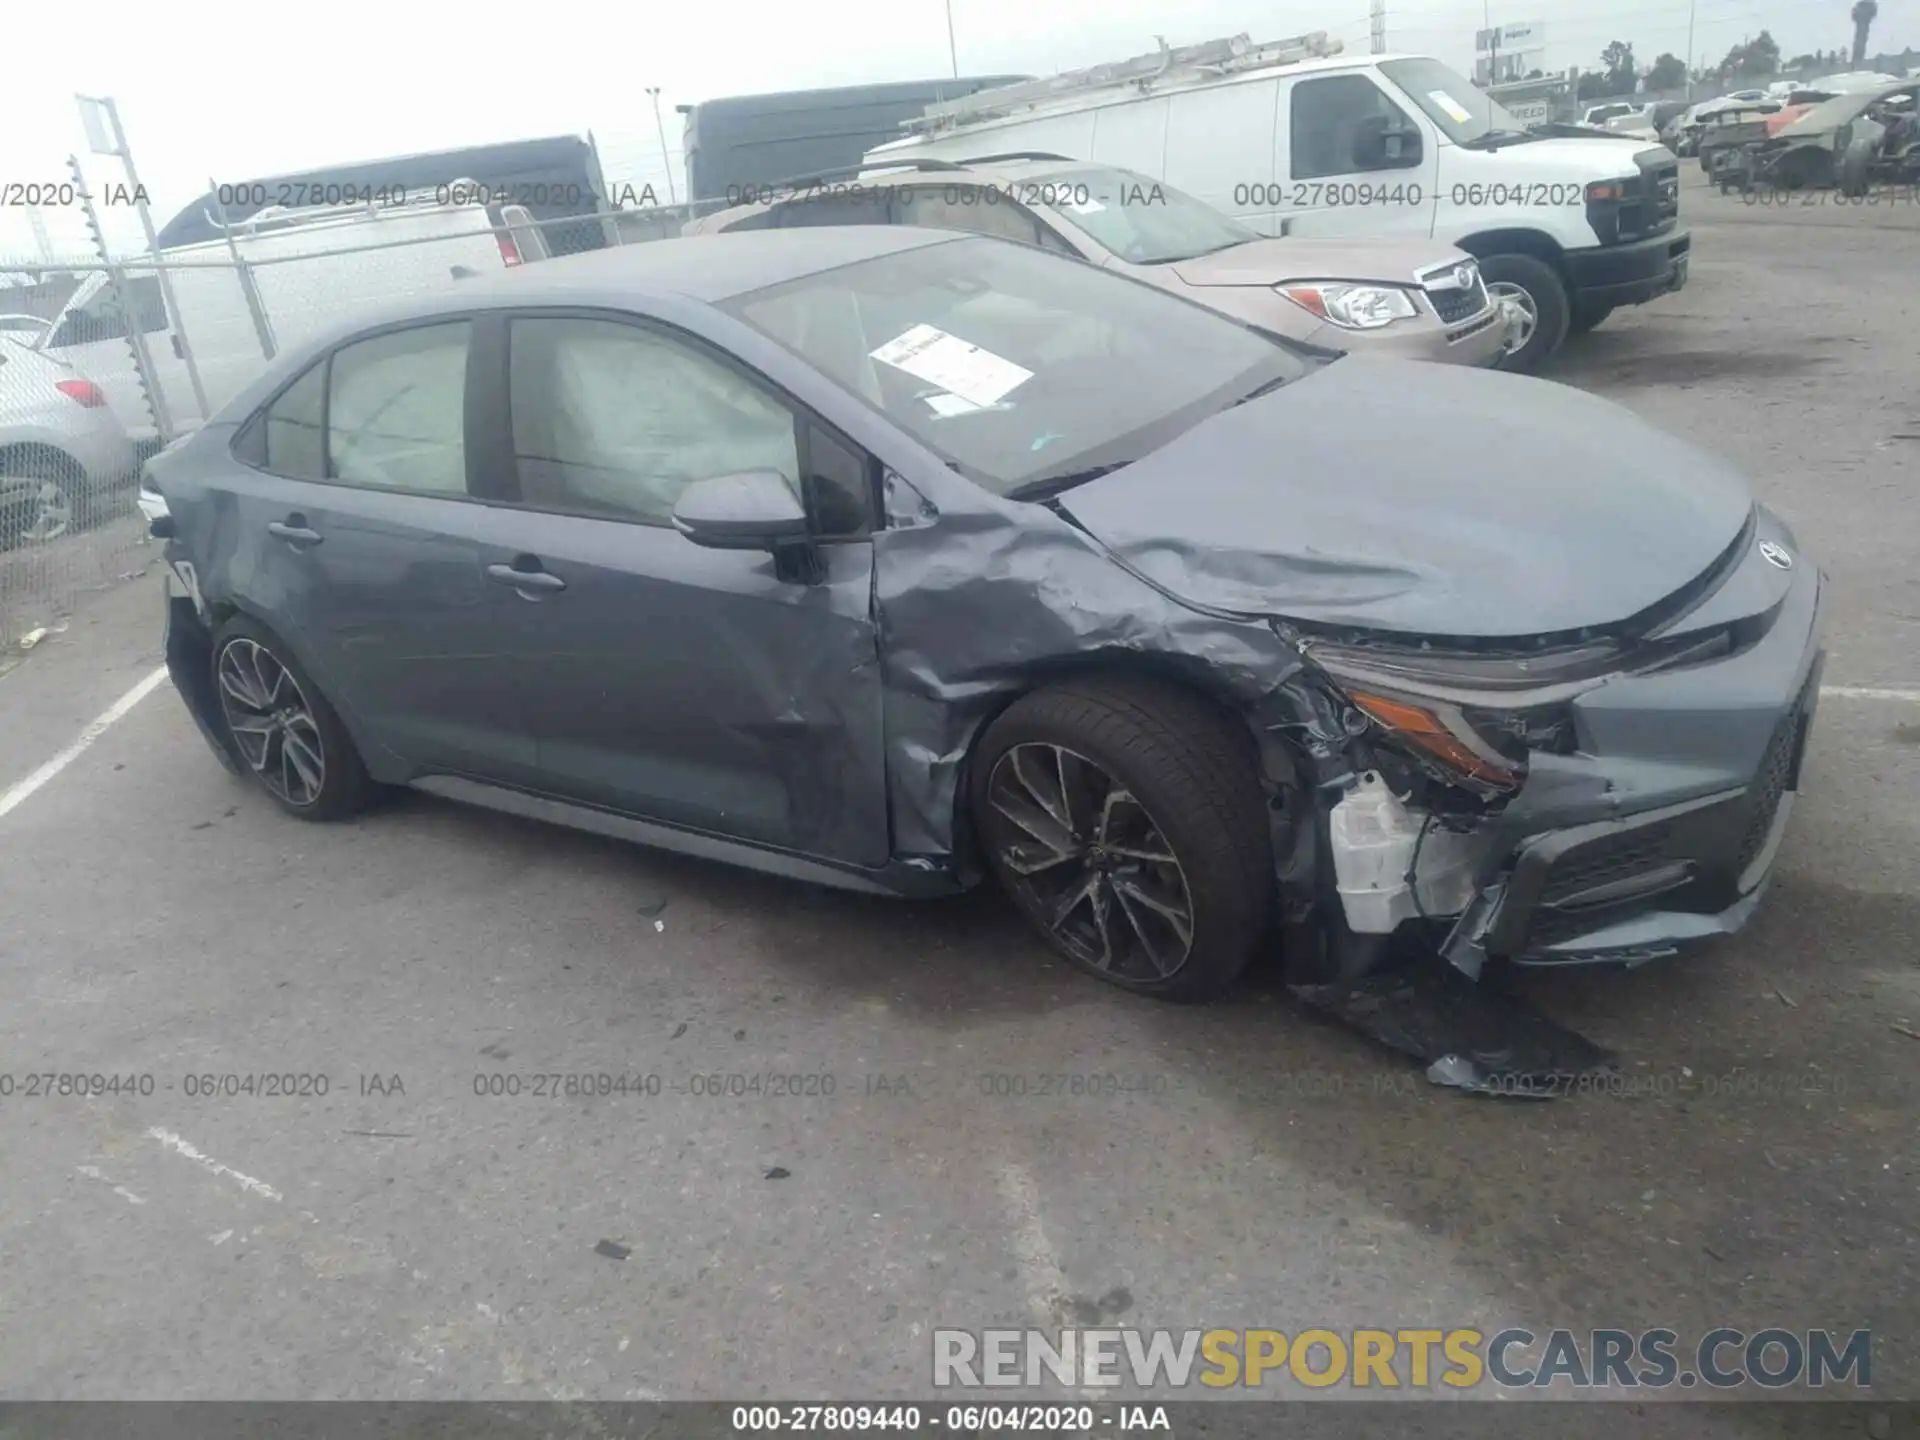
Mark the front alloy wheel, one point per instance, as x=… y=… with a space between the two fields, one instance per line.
x=1096 y=869
x=272 y=723
x=1127 y=821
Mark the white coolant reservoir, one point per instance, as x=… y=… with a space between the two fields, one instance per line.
x=1374 y=836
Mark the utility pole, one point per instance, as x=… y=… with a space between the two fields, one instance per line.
x=110 y=139
x=1690 y=9
x=1377 y=16
x=953 y=55
x=653 y=92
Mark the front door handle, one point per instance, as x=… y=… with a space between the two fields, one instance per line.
x=294 y=531
x=525 y=581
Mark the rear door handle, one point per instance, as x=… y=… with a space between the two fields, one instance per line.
x=525 y=580
x=294 y=531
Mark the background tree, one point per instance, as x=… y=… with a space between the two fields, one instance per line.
x=1669 y=72
x=1618 y=60
x=1862 y=14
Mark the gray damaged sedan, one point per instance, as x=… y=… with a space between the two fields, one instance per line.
x=884 y=558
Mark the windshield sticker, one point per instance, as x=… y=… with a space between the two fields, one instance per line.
x=973 y=374
x=946 y=406
x=1455 y=110
x=1088 y=206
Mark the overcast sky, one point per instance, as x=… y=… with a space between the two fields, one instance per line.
x=237 y=90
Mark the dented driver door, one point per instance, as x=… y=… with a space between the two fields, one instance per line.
x=696 y=687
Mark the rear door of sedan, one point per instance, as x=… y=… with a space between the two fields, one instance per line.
x=696 y=687
x=359 y=528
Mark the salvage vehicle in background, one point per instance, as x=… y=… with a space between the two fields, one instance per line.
x=1807 y=154
x=1297 y=138
x=61 y=451
x=884 y=556
x=1412 y=298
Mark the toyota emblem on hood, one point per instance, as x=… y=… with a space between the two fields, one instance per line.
x=1776 y=555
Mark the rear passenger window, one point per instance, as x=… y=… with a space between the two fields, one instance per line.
x=295 y=443
x=1327 y=118
x=828 y=208
x=973 y=206
x=396 y=411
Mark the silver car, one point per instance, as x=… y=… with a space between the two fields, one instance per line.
x=1412 y=299
x=61 y=450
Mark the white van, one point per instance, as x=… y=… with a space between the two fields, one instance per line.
x=309 y=268
x=1296 y=138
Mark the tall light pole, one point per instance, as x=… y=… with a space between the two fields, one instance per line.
x=953 y=55
x=1690 y=9
x=653 y=93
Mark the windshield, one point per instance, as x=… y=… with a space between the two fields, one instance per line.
x=1449 y=100
x=1143 y=221
x=1016 y=366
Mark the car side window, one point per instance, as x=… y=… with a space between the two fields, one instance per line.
x=825 y=207
x=396 y=410
x=1327 y=119
x=970 y=205
x=617 y=420
x=102 y=317
x=292 y=438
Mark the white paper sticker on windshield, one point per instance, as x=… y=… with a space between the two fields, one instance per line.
x=930 y=354
x=1088 y=206
x=946 y=406
x=1453 y=107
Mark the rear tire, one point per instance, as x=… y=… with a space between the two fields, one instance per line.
x=53 y=502
x=1538 y=289
x=289 y=739
x=1126 y=820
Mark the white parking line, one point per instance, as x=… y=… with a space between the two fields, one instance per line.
x=20 y=790
x=207 y=1162
x=93 y=1172
x=1867 y=692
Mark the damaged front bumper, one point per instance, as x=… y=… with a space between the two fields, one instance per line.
x=1629 y=850
x=189 y=651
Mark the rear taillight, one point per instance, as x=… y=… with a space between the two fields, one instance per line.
x=83 y=393
x=509 y=252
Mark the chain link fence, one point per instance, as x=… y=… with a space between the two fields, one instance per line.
x=103 y=363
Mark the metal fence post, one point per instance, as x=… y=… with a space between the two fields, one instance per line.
x=262 y=328
x=153 y=247
x=129 y=316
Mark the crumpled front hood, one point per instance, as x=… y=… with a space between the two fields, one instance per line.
x=1268 y=262
x=1422 y=499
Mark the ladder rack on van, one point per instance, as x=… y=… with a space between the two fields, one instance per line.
x=288 y=216
x=1227 y=56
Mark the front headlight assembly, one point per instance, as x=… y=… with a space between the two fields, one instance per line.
x=1476 y=718
x=1352 y=307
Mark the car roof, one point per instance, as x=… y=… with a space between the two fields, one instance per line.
x=708 y=268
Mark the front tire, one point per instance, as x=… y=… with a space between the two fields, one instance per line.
x=1535 y=288
x=289 y=739
x=1126 y=820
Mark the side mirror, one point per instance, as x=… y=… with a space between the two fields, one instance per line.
x=752 y=510
x=1383 y=142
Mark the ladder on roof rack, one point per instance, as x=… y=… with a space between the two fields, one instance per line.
x=1227 y=56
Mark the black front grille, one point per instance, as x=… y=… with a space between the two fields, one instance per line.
x=1617 y=857
x=1453 y=304
x=1776 y=775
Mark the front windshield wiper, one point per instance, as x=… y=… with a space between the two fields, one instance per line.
x=1047 y=486
x=1493 y=139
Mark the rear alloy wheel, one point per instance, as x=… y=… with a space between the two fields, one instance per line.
x=286 y=734
x=1126 y=822
x=44 y=502
x=1536 y=304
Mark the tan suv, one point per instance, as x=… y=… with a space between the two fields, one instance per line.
x=1413 y=299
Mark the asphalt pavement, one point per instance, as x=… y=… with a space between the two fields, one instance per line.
x=844 y=1120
